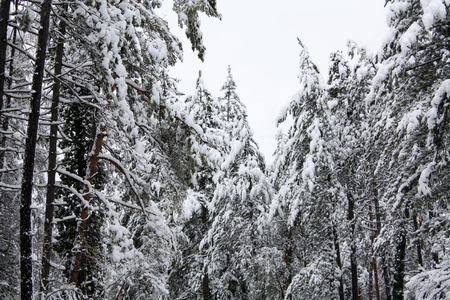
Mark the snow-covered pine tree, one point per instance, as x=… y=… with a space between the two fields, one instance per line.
x=240 y=199
x=304 y=177
x=409 y=101
x=99 y=73
x=349 y=83
x=189 y=276
x=188 y=15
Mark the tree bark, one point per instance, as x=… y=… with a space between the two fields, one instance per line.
x=52 y=156
x=399 y=267
x=80 y=242
x=288 y=257
x=353 y=265
x=418 y=242
x=26 y=268
x=4 y=17
x=205 y=285
x=205 y=282
x=338 y=262
x=385 y=273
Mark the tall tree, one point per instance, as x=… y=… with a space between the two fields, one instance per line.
x=207 y=146
x=52 y=161
x=406 y=98
x=240 y=198
x=26 y=267
x=303 y=177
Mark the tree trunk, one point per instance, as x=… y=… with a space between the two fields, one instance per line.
x=205 y=282
x=4 y=17
x=26 y=268
x=288 y=257
x=338 y=262
x=80 y=242
x=418 y=242
x=373 y=264
x=387 y=285
x=353 y=265
x=205 y=286
x=52 y=156
x=375 y=275
x=399 y=267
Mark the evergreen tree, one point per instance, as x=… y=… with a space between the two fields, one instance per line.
x=408 y=89
x=302 y=177
x=207 y=150
x=240 y=198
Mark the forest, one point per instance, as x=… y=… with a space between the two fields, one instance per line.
x=116 y=185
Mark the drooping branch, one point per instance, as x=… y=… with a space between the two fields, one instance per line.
x=128 y=176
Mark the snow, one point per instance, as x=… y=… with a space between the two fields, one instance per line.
x=433 y=11
x=332 y=104
x=432 y=114
x=424 y=178
x=394 y=9
x=191 y=204
x=409 y=37
x=410 y=121
x=308 y=172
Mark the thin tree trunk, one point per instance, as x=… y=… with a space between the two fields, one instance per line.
x=205 y=282
x=373 y=264
x=338 y=262
x=387 y=285
x=26 y=268
x=288 y=257
x=375 y=275
x=370 y=280
x=80 y=242
x=353 y=265
x=399 y=267
x=418 y=242
x=205 y=285
x=4 y=17
x=52 y=156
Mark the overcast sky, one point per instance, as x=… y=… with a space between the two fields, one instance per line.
x=258 y=38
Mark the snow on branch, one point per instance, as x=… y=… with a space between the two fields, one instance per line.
x=128 y=177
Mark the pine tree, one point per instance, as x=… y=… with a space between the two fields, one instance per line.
x=301 y=176
x=207 y=149
x=407 y=91
x=240 y=198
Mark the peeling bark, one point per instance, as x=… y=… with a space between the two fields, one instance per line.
x=80 y=243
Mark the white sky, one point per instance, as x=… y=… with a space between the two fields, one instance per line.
x=258 y=38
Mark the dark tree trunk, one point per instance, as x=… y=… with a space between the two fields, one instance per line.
x=49 y=208
x=373 y=264
x=205 y=286
x=399 y=265
x=385 y=273
x=4 y=17
x=288 y=257
x=418 y=242
x=338 y=262
x=205 y=282
x=353 y=265
x=26 y=268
